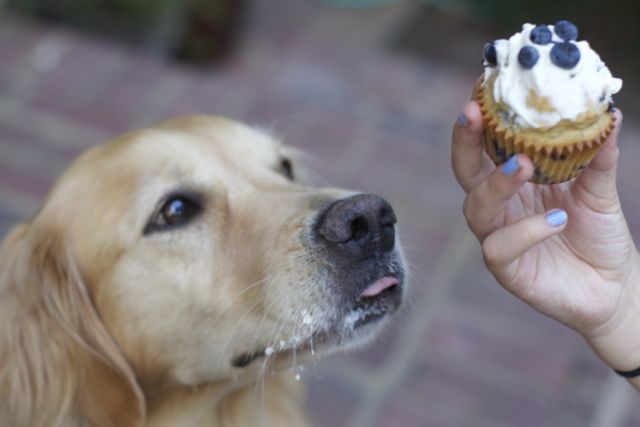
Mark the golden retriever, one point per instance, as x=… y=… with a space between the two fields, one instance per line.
x=175 y=273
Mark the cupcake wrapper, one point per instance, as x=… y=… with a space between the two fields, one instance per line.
x=553 y=163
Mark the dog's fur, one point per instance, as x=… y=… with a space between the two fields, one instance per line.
x=111 y=318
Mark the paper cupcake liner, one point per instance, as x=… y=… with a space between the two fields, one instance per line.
x=554 y=163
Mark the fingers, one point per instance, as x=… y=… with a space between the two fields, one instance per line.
x=505 y=245
x=484 y=207
x=470 y=165
x=597 y=184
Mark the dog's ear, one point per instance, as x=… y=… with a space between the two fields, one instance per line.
x=59 y=366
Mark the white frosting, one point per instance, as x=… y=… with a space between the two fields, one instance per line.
x=567 y=93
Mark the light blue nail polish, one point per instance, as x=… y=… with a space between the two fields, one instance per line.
x=462 y=119
x=511 y=166
x=556 y=218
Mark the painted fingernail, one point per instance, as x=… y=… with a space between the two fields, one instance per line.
x=556 y=218
x=462 y=119
x=511 y=166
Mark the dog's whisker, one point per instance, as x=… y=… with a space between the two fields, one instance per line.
x=273 y=127
x=295 y=341
x=261 y=384
x=295 y=360
x=419 y=272
x=414 y=271
x=264 y=316
x=231 y=335
x=239 y=294
x=414 y=249
x=276 y=337
x=313 y=358
x=237 y=324
x=315 y=177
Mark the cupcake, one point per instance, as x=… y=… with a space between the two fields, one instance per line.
x=547 y=95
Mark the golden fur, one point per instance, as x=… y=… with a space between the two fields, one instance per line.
x=106 y=324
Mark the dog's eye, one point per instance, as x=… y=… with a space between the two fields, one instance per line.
x=287 y=168
x=176 y=211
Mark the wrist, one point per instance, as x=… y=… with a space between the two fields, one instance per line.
x=618 y=343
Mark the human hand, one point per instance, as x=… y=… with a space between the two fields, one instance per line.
x=564 y=249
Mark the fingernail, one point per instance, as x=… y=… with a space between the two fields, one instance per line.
x=462 y=119
x=556 y=218
x=511 y=166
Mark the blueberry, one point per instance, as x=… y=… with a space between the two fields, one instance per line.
x=541 y=35
x=528 y=56
x=566 y=30
x=565 y=55
x=490 y=54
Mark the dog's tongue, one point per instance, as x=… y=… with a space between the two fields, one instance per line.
x=379 y=286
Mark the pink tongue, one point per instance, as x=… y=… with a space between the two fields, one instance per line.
x=379 y=286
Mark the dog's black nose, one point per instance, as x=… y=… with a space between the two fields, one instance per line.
x=361 y=225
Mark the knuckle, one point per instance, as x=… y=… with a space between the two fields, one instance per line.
x=491 y=251
x=471 y=209
x=495 y=185
x=474 y=204
x=466 y=209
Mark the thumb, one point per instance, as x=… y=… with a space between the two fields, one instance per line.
x=597 y=184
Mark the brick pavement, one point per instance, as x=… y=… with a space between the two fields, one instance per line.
x=463 y=352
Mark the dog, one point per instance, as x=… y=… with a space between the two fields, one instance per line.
x=175 y=274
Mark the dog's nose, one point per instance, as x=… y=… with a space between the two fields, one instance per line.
x=362 y=225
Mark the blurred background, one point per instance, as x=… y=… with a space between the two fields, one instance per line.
x=370 y=90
